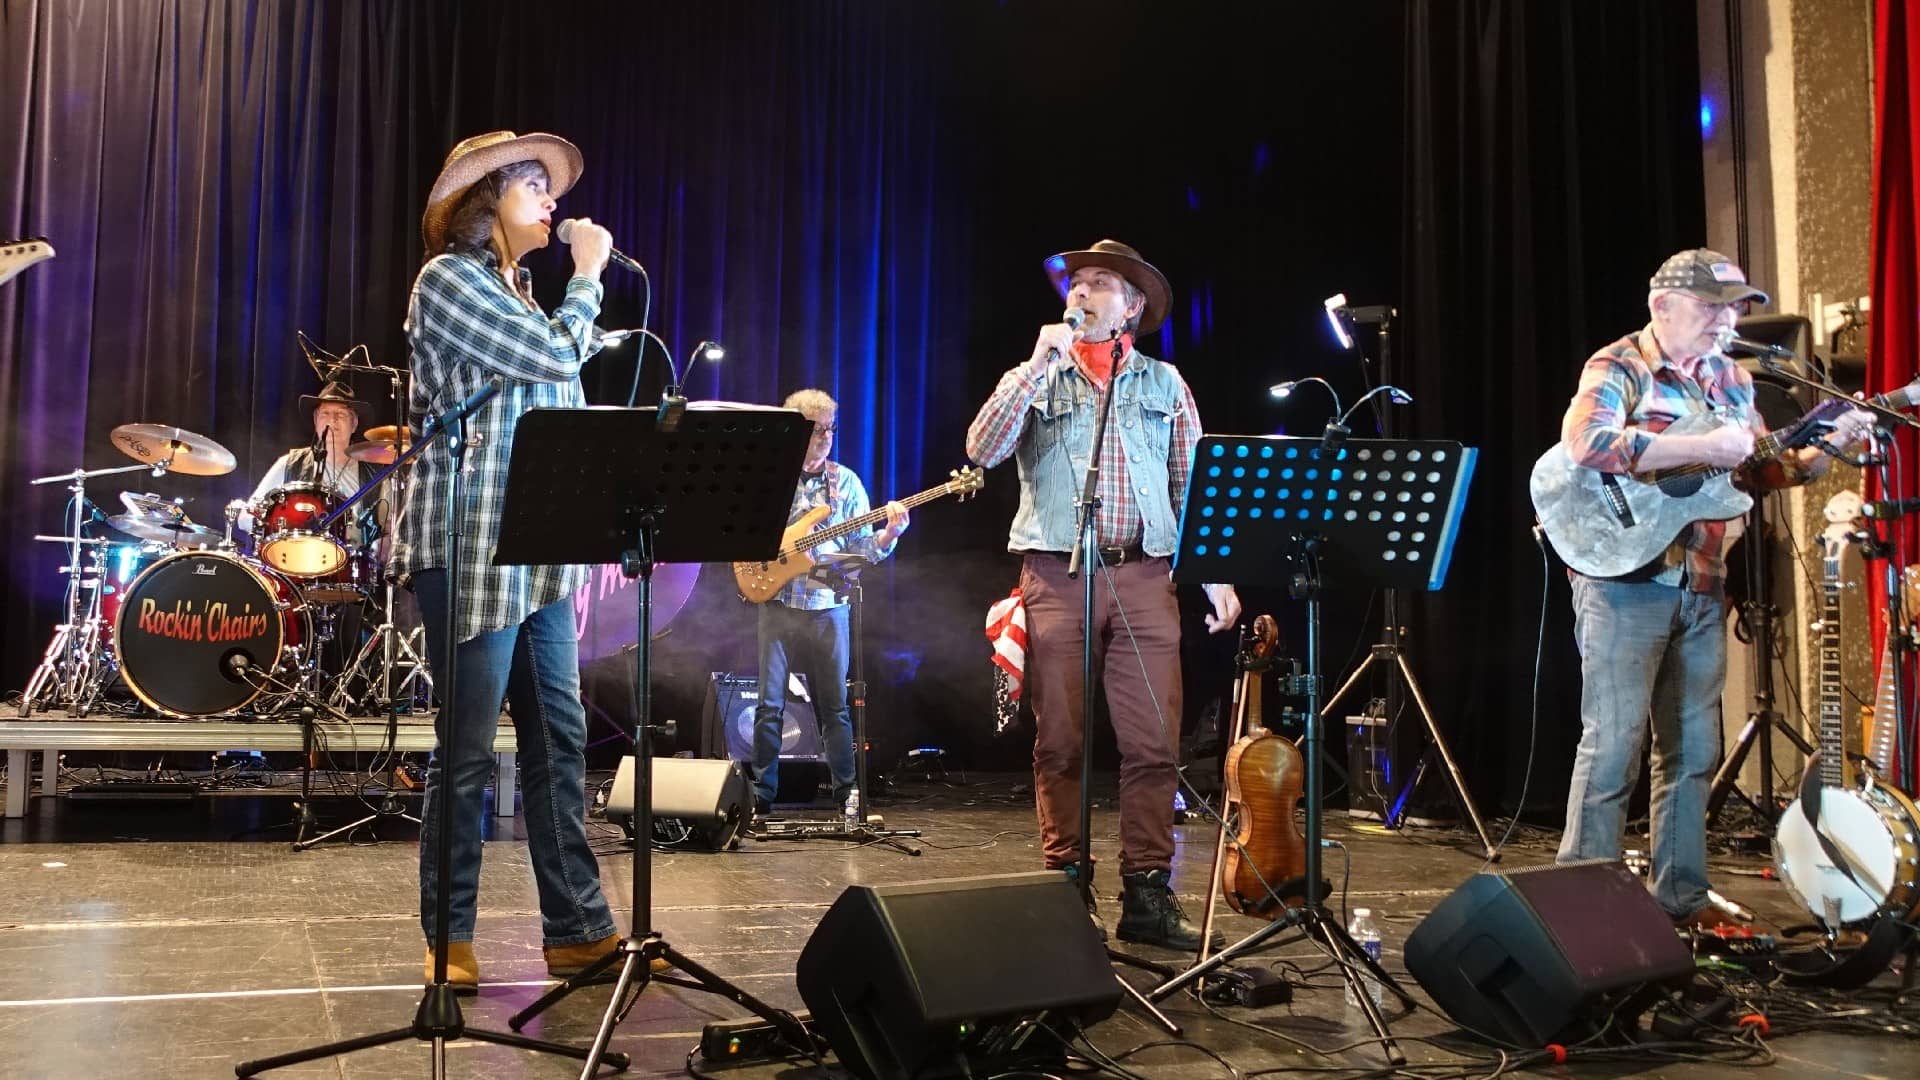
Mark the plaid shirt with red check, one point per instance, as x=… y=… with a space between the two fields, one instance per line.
x=1629 y=391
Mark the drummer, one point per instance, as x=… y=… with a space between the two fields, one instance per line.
x=336 y=416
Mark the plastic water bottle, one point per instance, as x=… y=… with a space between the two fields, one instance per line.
x=852 y=809
x=1363 y=931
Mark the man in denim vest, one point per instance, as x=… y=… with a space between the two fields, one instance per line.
x=1043 y=413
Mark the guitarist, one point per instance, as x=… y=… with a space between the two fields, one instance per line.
x=1042 y=414
x=804 y=628
x=1651 y=642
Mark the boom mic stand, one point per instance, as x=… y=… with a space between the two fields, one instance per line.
x=1759 y=612
x=1085 y=559
x=438 y=1019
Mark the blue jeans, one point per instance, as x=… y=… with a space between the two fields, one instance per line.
x=535 y=667
x=814 y=643
x=1647 y=651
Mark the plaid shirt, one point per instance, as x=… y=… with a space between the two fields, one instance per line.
x=466 y=327
x=839 y=487
x=997 y=429
x=1630 y=391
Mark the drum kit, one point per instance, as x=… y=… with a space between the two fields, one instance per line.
x=201 y=622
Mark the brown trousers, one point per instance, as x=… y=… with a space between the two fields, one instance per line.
x=1136 y=655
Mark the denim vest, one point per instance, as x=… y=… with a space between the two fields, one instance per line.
x=1052 y=453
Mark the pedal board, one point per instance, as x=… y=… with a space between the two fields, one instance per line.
x=732 y=1042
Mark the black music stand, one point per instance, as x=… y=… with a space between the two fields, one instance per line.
x=1369 y=512
x=606 y=484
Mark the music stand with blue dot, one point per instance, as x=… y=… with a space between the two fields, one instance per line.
x=1386 y=511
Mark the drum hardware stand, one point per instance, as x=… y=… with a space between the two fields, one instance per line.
x=841 y=572
x=590 y=468
x=390 y=644
x=306 y=697
x=438 y=1019
x=75 y=669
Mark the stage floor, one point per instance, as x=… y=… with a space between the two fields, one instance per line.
x=168 y=942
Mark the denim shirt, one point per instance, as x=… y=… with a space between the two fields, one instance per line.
x=1150 y=411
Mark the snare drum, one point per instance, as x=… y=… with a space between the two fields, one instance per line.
x=291 y=539
x=199 y=632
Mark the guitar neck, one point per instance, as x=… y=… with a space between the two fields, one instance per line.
x=1833 y=757
x=873 y=517
x=1796 y=435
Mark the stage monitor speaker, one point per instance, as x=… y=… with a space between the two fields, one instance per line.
x=696 y=802
x=727 y=728
x=954 y=978
x=1547 y=953
x=1779 y=401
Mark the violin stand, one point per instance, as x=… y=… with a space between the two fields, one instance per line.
x=1389 y=515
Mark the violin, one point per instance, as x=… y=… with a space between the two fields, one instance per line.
x=1266 y=779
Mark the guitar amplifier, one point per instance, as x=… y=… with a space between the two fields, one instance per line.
x=726 y=729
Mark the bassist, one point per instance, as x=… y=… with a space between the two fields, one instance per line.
x=804 y=627
x=1652 y=644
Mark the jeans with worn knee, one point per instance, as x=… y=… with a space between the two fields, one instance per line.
x=813 y=643
x=535 y=668
x=1652 y=657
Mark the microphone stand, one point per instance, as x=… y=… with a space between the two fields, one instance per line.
x=1086 y=557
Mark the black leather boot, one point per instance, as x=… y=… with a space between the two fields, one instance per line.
x=1150 y=914
x=1072 y=870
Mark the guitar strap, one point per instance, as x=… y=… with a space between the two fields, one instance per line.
x=1811 y=791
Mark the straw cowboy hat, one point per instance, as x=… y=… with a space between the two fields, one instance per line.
x=1123 y=260
x=471 y=160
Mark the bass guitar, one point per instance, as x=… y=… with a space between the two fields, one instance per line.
x=1607 y=524
x=762 y=581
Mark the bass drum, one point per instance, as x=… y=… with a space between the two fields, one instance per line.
x=200 y=632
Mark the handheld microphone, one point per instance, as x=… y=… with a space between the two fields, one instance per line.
x=564 y=231
x=1073 y=317
x=465 y=408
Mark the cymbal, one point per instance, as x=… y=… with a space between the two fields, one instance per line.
x=191 y=454
x=388 y=433
x=377 y=451
x=179 y=531
x=148 y=503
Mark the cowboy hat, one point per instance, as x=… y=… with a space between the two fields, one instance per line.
x=470 y=161
x=334 y=392
x=1123 y=260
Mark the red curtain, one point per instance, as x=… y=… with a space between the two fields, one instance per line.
x=1893 y=349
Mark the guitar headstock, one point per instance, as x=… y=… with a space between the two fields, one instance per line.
x=966 y=481
x=1843 y=522
x=17 y=255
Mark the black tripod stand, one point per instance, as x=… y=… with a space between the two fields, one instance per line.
x=1238 y=515
x=628 y=489
x=1757 y=614
x=438 y=1020
x=840 y=571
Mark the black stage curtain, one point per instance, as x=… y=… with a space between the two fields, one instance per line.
x=859 y=196
x=1552 y=159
